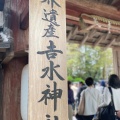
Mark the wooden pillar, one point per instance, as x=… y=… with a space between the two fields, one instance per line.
x=116 y=61
x=11 y=88
x=1 y=92
x=47 y=60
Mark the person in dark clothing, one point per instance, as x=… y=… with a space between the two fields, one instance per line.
x=70 y=101
x=82 y=87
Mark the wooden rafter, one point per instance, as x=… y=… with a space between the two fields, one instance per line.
x=90 y=34
x=106 y=29
x=110 y=44
x=73 y=18
x=106 y=37
x=101 y=25
x=87 y=28
x=87 y=43
x=118 y=39
x=91 y=44
x=84 y=40
x=103 y=37
x=73 y=32
x=98 y=41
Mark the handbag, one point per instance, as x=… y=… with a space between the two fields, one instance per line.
x=81 y=106
x=107 y=112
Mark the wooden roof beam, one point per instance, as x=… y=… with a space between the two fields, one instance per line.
x=110 y=44
x=73 y=32
x=89 y=34
x=76 y=8
x=91 y=43
x=84 y=40
x=98 y=41
x=104 y=37
x=87 y=28
x=89 y=20
x=118 y=39
x=94 y=8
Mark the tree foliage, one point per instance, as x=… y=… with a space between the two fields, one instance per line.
x=86 y=62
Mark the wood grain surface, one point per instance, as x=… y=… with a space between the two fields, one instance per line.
x=37 y=62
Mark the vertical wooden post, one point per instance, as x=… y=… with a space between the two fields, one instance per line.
x=116 y=60
x=47 y=60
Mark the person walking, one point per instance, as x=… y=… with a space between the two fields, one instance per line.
x=82 y=87
x=70 y=101
x=114 y=84
x=91 y=101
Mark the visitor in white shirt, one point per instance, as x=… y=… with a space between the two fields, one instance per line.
x=114 y=83
x=92 y=100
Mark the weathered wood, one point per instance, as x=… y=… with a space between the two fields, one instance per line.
x=24 y=19
x=106 y=30
x=87 y=29
x=72 y=18
x=8 y=57
x=72 y=33
x=115 y=60
x=11 y=88
x=72 y=22
x=15 y=8
x=102 y=26
x=91 y=44
x=77 y=7
x=1 y=92
x=110 y=44
x=92 y=33
x=118 y=39
x=94 y=8
x=72 y=12
x=75 y=32
x=85 y=39
x=106 y=37
x=89 y=20
x=39 y=41
x=103 y=37
x=98 y=41
x=89 y=35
